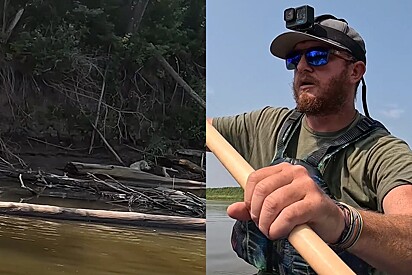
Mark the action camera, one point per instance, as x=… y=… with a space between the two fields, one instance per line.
x=300 y=18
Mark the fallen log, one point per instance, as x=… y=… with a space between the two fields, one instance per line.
x=103 y=216
x=139 y=178
x=191 y=152
x=190 y=166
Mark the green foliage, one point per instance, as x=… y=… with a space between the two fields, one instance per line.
x=225 y=194
x=76 y=47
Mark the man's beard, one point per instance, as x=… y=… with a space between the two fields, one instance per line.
x=327 y=101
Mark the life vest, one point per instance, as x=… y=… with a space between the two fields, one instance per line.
x=280 y=257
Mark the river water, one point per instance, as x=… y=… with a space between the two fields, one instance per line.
x=38 y=246
x=220 y=258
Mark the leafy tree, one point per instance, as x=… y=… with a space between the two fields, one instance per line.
x=75 y=64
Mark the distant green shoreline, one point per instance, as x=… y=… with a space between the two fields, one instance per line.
x=225 y=194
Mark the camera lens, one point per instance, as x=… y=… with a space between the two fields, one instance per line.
x=289 y=14
x=301 y=14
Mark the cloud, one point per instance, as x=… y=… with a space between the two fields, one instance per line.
x=393 y=112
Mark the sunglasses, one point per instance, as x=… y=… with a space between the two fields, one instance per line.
x=314 y=57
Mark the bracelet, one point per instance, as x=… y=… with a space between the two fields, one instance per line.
x=353 y=227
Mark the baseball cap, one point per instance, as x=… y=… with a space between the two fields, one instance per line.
x=327 y=29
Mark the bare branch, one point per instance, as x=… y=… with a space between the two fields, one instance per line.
x=13 y=24
x=98 y=111
x=3 y=27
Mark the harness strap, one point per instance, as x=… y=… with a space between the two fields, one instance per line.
x=286 y=132
x=364 y=127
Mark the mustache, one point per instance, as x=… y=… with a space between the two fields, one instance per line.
x=304 y=78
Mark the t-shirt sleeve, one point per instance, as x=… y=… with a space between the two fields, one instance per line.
x=242 y=130
x=390 y=166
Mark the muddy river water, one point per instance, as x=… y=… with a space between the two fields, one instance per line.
x=39 y=246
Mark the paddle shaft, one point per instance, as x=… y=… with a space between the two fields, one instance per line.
x=310 y=246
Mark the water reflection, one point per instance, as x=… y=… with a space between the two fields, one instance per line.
x=220 y=258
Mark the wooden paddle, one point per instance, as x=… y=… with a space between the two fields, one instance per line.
x=310 y=246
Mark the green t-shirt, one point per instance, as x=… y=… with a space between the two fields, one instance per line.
x=360 y=174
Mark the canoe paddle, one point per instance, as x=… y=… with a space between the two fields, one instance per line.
x=310 y=246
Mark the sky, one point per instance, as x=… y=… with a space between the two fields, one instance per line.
x=242 y=75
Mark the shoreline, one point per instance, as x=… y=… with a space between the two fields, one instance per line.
x=224 y=193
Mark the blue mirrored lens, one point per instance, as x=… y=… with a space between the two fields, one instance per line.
x=314 y=57
x=293 y=61
x=317 y=57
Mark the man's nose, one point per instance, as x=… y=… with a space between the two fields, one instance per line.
x=303 y=64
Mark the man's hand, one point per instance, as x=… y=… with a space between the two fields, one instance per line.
x=278 y=198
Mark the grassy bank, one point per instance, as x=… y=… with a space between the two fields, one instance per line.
x=225 y=194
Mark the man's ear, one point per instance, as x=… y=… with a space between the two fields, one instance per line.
x=359 y=69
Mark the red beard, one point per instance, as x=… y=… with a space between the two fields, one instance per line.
x=328 y=100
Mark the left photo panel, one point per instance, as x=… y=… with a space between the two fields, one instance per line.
x=102 y=137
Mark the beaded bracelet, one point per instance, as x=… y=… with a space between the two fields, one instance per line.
x=353 y=227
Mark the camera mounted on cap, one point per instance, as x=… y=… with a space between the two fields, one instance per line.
x=300 y=19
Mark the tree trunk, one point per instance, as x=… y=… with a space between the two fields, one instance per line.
x=180 y=80
x=137 y=15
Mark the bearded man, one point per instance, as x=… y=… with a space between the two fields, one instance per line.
x=323 y=163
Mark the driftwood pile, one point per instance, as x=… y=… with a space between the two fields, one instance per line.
x=128 y=188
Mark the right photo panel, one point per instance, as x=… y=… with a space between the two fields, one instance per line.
x=309 y=167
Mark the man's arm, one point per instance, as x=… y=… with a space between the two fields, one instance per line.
x=386 y=239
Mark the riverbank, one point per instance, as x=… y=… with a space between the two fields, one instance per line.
x=224 y=194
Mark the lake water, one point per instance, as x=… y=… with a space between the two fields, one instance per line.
x=220 y=258
x=38 y=246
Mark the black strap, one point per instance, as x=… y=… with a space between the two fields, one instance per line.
x=362 y=129
x=287 y=131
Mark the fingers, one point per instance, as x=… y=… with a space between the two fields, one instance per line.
x=265 y=189
x=238 y=211
x=264 y=181
x=291 y=216
x=274 y=205
x=257 y=177
x=278 y=198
